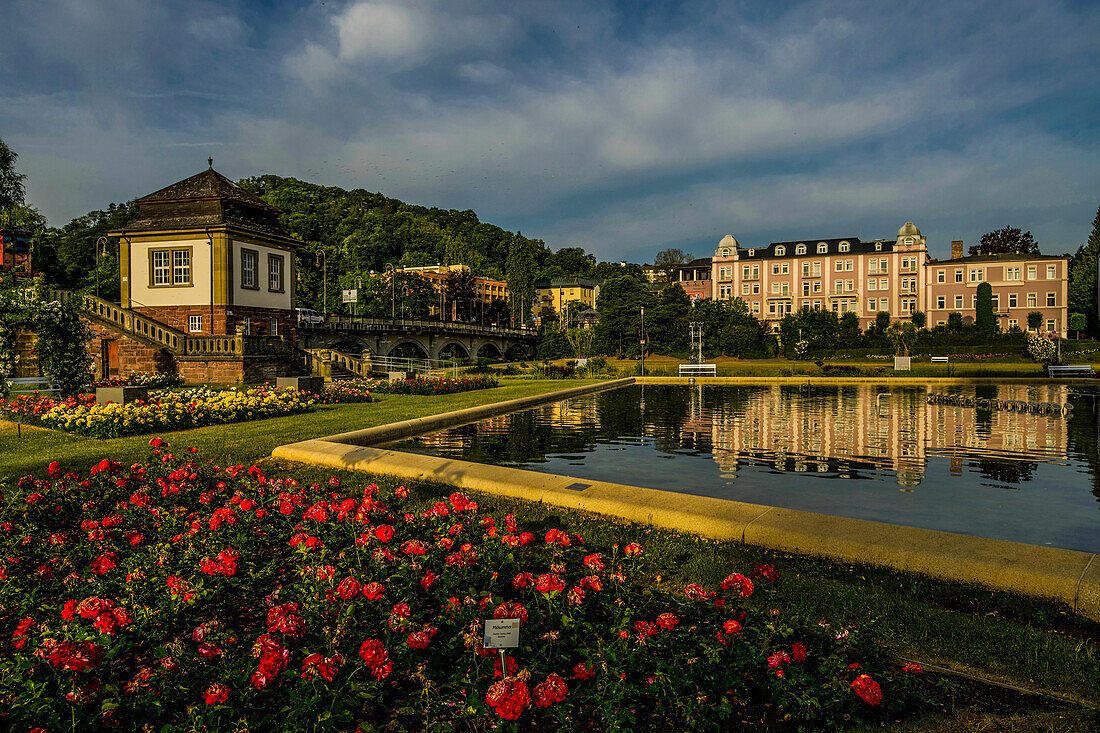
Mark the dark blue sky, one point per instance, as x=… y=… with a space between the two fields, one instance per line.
x=624 y=128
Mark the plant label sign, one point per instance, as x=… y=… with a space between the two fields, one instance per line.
x=501 y=633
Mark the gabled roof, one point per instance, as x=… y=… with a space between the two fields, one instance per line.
x=206 y=200
x=208 y=184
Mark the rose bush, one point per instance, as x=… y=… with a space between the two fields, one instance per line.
x=426 y=385
x=163 y=411
x=180 y=595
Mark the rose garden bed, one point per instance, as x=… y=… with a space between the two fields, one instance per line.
x=179 y=594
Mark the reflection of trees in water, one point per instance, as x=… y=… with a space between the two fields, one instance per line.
x=983 y=418
x=1083 y=424
x=1006 y=472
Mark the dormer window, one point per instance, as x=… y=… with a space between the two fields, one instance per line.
x=780 y=251
x=752 y=252
x=822 y=248
x=878 y=246
x=800 y=249
x=908 y=240
x=844 y=246
x=725 y=253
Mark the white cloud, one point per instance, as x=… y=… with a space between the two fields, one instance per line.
x=368 y=30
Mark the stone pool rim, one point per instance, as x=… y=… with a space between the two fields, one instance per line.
x=1071 y=577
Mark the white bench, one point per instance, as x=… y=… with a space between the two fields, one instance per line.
x=698 y=370
x=28 y=385
x=939 y=359
x=1070 y=370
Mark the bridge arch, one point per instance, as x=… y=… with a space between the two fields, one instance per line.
x=489 y=350
x=517 y=351
x=453 y=348
x=408 y=349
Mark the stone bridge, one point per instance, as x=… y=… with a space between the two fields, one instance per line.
x=401 y=337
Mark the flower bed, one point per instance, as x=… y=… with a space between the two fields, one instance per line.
x=426 y=385
x=82 y=415
x=345 y=392
x=179 y=595
x=152 y=380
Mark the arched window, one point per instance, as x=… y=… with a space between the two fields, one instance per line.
x=800 y=249
x=752 y=252
x=822 y=248
x=780 y=251
x=845 y=246
x=908 y=240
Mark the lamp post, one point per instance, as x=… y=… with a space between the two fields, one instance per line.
x=393 y=292
x=99 y=243
x=643 y=341
x=323 y=259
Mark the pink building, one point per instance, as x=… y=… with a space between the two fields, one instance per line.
x=695 y=279
x=1021 y=284
x=841 y=274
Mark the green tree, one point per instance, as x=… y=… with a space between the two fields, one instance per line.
x=668 y=324
x=955 y=321
x=919 y=319
x=620 y=302
x=1078 y=322
x=520 y=272
x=668 y=260
x=984 y=318
x=848 y=331
x=1034 y=320
x=882 y=321
x=902 y=335
x=1082 y=278
x=1006 y=240
x=12 y=193
x=460 y=290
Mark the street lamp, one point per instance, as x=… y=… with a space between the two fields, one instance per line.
x=99 y=243
x=393 y=293
x=322 y=259
x=643 y=341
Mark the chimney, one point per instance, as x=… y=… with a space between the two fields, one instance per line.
x=956 y=249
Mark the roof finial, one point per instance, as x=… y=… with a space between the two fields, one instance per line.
x=210 y=162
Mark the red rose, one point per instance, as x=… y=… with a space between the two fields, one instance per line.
x=54 y=469
x=739 y=584
x=373 y=591
x=731 y=627
x=798 y=652
x=348 y=588
x=549 y=583
x=633 y=549
x=667 y=621
x=582 y=671
x=104 y=563
x=867 y=689
x=384 y=533
x=511 y=609
x=216 y=693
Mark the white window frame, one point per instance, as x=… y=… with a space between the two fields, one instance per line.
x=194 y=324
x=822 y=248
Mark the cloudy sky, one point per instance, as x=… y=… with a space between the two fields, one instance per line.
x=623 y=127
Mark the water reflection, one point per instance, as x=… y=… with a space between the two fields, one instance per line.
x=1022 y=476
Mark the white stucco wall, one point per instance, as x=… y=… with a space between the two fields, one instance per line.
x=198 y=293
x=261 y=298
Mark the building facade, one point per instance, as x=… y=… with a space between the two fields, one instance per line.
x=204 y=256
x=15 y=252
x=1021 y=284
x=895 y=275
x=487 y=289
x=695 y=279
x=840 y=274
x=556 y=294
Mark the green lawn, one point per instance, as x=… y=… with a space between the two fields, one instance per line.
x=1022 y=642
x=247 y=442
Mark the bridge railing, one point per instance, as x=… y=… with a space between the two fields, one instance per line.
x=364 y=323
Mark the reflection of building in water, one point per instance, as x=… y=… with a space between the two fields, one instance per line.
x=850 y=430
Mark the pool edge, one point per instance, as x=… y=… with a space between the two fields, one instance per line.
x=1068 y=576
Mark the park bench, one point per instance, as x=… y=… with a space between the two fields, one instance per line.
x=1070 y=370
x=698 y=370
x=939 y=360
x=28 y=385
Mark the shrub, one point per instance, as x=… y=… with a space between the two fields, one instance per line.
x=153 y=380
x=178 y=595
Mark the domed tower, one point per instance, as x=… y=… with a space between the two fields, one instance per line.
x=909 y=237
x=727 y=246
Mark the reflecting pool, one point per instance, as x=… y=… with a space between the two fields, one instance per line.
x=866 y=451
